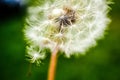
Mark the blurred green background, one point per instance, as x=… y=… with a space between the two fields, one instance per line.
x=100 y=63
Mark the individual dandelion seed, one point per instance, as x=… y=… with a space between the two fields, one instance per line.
x=35 y=54
x=72 y=26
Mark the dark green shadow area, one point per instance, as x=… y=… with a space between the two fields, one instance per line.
x=100 y=63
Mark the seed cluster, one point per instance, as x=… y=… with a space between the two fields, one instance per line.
x=75 y=24
x=66 y=19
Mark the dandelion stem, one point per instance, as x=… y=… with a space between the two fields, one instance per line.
x=52 y=66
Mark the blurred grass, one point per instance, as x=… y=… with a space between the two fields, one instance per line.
x=100 y=63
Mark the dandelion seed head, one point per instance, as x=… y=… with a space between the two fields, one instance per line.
x=74 y=24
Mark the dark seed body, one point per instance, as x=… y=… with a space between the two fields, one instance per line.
x=66 y=20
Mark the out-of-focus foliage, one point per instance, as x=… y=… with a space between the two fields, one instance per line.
x=102 y=62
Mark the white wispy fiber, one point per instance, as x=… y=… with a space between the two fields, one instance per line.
x=90 y=24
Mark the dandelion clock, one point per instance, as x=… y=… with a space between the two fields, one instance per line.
x=71 y=26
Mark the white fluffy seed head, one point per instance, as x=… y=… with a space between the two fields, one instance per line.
x=91 y=22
